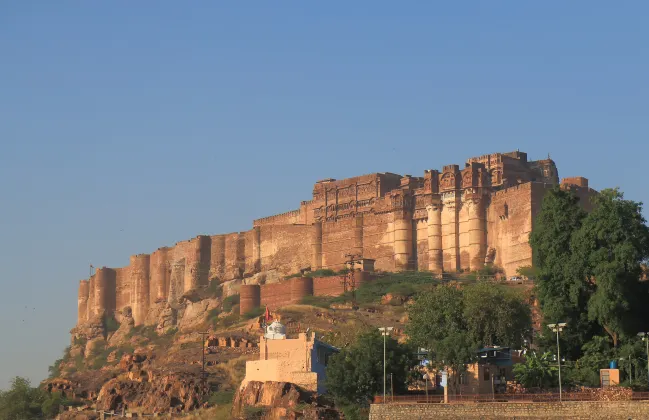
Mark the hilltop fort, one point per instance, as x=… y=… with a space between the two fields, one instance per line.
x=456 y=219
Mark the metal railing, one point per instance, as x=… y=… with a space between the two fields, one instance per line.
x=489 y=398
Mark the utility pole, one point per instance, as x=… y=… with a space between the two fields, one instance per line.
x=645 y=338
x=203 y=376
x=426 y=382
x=493 y=391
x=385 y=331
x=558 y=328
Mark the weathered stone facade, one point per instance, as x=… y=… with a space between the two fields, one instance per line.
x=451 y=220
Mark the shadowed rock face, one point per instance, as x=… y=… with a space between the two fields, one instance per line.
x=176 y=392
x=281 y=400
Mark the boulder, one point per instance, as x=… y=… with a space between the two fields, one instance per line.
x=231 y=287
x=271 y=395
x=126 y=324
x=195 y=314
x=265 y=277
x=173 y=392
x=167 y=320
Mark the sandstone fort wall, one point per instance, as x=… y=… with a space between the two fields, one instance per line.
x=449 y=220
x=276 y=295
x=286 y=248
x=292 y=291
x=509 y=223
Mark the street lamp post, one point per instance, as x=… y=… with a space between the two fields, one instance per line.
x=622 y=359
x=557 y=328
x=426 y=381
x=645 y=338
x=385 y=331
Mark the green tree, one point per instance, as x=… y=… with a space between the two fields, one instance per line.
x=610 y=248
x=596 y=355
x=51 y=403
x=528 y=271
x=562 y=293
x=21 y=401
x=453 y=322
x=436 y=323
x=496 y=315
x=537 y=371
x=355 y=374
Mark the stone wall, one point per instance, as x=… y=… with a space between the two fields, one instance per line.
x=292 y=291
x=566 y=410
x=378 y=240
x=171 y=272
x=276 y=295
x=286 y=248
x=335 y=285
x=509 y=223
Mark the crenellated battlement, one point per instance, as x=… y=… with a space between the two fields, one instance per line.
x=291 y=216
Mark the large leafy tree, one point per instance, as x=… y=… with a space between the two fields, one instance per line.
x=562 y=293
x=452 y=322
x=608 y=252
x=21 y=401
x=496 y=315
x=436 y=322
x=355 y=375
x=590 y=268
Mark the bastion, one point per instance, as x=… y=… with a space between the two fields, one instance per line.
x=449 y=220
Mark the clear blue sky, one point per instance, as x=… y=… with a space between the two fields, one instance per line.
x=126 y=126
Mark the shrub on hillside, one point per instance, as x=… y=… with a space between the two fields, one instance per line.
x=319 y=301
x=215 y=288
x=221 y=397
x=254 y=313
x=110 y=324
x=229 y=302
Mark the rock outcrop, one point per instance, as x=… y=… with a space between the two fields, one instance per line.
x=176 y=392
x=281 y=400
x=127 y=323
x=195 y=313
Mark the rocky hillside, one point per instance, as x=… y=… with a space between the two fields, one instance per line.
x=112 y=365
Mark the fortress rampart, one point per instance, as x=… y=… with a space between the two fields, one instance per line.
x=451 y=220
x=293 y=290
